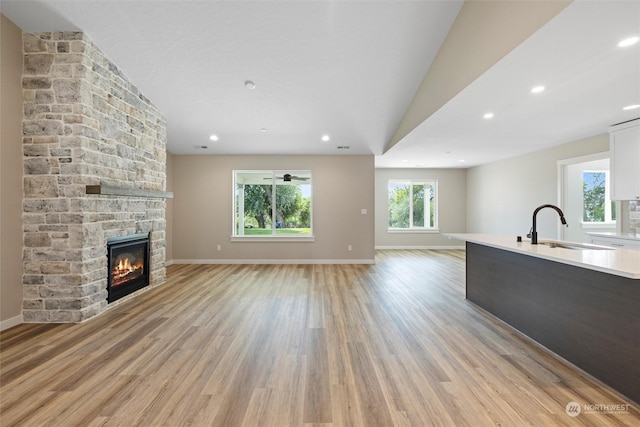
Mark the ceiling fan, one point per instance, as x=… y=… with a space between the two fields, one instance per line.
x=287 y=177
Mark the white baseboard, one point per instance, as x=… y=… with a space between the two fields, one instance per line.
x=10 y=323
x=432 y=247
x=304 y=261
x=273 y=261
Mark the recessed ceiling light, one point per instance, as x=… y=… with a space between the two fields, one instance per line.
x=628 y=41
x=537 y=89
x=488 y=116
x=213 y=137
x=631 y=107
x=263 y=130
x=461 y=160
x=326 y=138
x=249 y=84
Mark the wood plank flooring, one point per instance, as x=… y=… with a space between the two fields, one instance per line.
x=390 y=344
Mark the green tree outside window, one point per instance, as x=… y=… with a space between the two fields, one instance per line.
x=268 y=204
x=596 y=207
x=412 y=204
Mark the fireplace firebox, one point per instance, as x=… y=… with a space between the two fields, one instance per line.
x=128 y=265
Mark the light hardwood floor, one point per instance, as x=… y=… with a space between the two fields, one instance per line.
x=391 y=344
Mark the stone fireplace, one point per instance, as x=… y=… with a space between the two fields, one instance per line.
x=85 y=126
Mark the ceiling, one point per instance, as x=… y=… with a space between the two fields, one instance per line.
x=350 y=70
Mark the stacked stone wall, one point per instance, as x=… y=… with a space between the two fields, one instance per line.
x=84 y=124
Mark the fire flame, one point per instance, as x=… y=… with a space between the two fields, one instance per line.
x=125 y=270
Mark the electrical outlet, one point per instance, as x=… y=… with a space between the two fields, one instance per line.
x=349 y=247
x=219 y=247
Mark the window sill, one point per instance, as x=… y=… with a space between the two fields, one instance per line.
x=265 y=239
x=413 y=231
x=598 y=224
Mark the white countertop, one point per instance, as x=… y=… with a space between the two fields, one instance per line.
x=620 y=262
x=626 y=236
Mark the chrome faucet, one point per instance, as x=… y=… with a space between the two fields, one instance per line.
x=534 y=232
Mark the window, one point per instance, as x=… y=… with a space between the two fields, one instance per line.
x=272 y=203
x=413 y=205
x=597 y=207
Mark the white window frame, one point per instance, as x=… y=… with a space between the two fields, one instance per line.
x=433 y=183
x=273 y=236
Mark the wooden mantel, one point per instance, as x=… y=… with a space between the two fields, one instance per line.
x=127 y=192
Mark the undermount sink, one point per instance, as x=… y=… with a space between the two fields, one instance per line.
x=573 y=246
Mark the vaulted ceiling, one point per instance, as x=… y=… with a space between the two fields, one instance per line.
x=406 y=81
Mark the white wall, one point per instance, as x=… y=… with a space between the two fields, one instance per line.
x=451 y=208
x=501 y=196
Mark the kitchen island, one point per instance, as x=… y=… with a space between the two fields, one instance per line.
x=583 y=303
